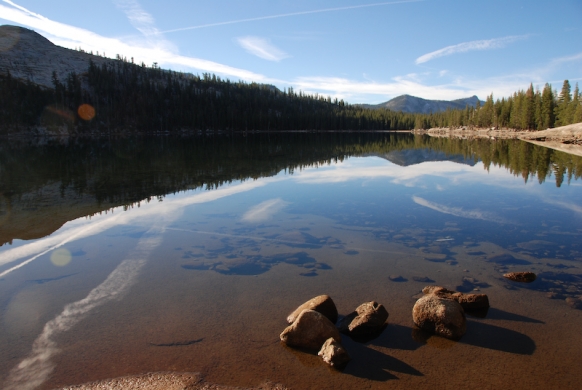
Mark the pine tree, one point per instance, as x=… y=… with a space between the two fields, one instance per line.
x=548 y=107
x=562 y=109
x=575 y=110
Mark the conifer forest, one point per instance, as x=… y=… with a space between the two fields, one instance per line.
x=123 y=97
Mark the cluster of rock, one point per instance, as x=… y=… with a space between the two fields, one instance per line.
x=442 y=312
x=312 y=327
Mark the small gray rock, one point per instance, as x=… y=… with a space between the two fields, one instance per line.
x=367 y=319
x=440 y=316
x=334 y=354
x=310 y=330
x=522 y=277
x=467 y=301
x=322 y=304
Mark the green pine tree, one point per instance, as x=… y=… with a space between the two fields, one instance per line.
x=562 y=109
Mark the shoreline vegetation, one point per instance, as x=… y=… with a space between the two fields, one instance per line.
x=566 y=139
x=120 y=97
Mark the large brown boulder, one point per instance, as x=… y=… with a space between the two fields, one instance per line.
x=334 y=354
x=522 y=277
x=310 y=330
x=443 y=317
x=367 y=319
x=467 y=301
x=322 y=304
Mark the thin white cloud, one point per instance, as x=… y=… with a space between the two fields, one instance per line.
x=261 y=48
x=486 y=44
x=289 y=15
x=138 y=17
x=264 y=211
x=147 y=51
x=459 y=212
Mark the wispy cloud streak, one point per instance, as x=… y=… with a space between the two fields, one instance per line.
x=261 y=48
x=459 y=212
x=289 y=15
x=486 y=44
x=264 y=211
x=160 y=51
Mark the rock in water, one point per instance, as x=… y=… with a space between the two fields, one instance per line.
x=574 y=303
x=467 y=301
x=367 y=319
x=440 y=316
x=334 y=354
x=310 y=330
x=522 y=277
x=322 y=304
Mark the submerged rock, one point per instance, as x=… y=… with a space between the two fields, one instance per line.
x=522 y=277
x=574 y=303
x=322 y=304
x=367 y=319
x=467 y=301
x=310 y=330
x=334 y=354
x=444 y=317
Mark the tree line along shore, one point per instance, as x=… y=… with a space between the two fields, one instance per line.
x=123 y=97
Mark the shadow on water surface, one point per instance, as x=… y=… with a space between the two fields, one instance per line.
x=374 y=365
x=497 y=314
x=500 y=339
x=396 y=337
x=481 y=335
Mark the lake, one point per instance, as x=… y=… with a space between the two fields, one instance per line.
x=133 y=255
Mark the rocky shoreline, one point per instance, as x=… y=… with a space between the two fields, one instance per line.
x=570 y=135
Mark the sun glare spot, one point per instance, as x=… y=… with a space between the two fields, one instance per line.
x=86 y=112
x=61 y=257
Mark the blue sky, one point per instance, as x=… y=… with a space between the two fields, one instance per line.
x=360 y=51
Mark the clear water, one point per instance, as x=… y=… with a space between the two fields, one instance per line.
x=128 y=256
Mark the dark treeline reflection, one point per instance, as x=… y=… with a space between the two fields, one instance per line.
x=45 y=184
x=127 y=170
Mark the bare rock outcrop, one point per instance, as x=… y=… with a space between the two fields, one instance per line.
x=443 y=317
x=322 y=304
x=310 y=330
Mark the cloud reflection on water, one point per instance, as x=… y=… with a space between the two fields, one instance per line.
x=264 y=211
x=36 y=368
x=459 y=212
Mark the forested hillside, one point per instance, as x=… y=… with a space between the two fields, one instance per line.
x=120 y=96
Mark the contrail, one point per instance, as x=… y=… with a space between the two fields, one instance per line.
x=287 y=15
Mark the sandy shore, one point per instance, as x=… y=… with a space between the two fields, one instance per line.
x=164 y=381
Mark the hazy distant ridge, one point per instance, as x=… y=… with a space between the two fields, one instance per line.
x=413 y=104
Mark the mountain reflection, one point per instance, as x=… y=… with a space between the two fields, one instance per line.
x=44 y=185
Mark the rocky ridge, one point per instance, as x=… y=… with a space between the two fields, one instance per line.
x=29 y=56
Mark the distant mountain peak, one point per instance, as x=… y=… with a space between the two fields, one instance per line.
x=413 y=104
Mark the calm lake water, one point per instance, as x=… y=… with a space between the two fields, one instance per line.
x=135 y=255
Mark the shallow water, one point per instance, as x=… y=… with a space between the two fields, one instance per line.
x=196 y=250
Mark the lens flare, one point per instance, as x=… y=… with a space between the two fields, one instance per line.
x=61 y=257
x=86 y=112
